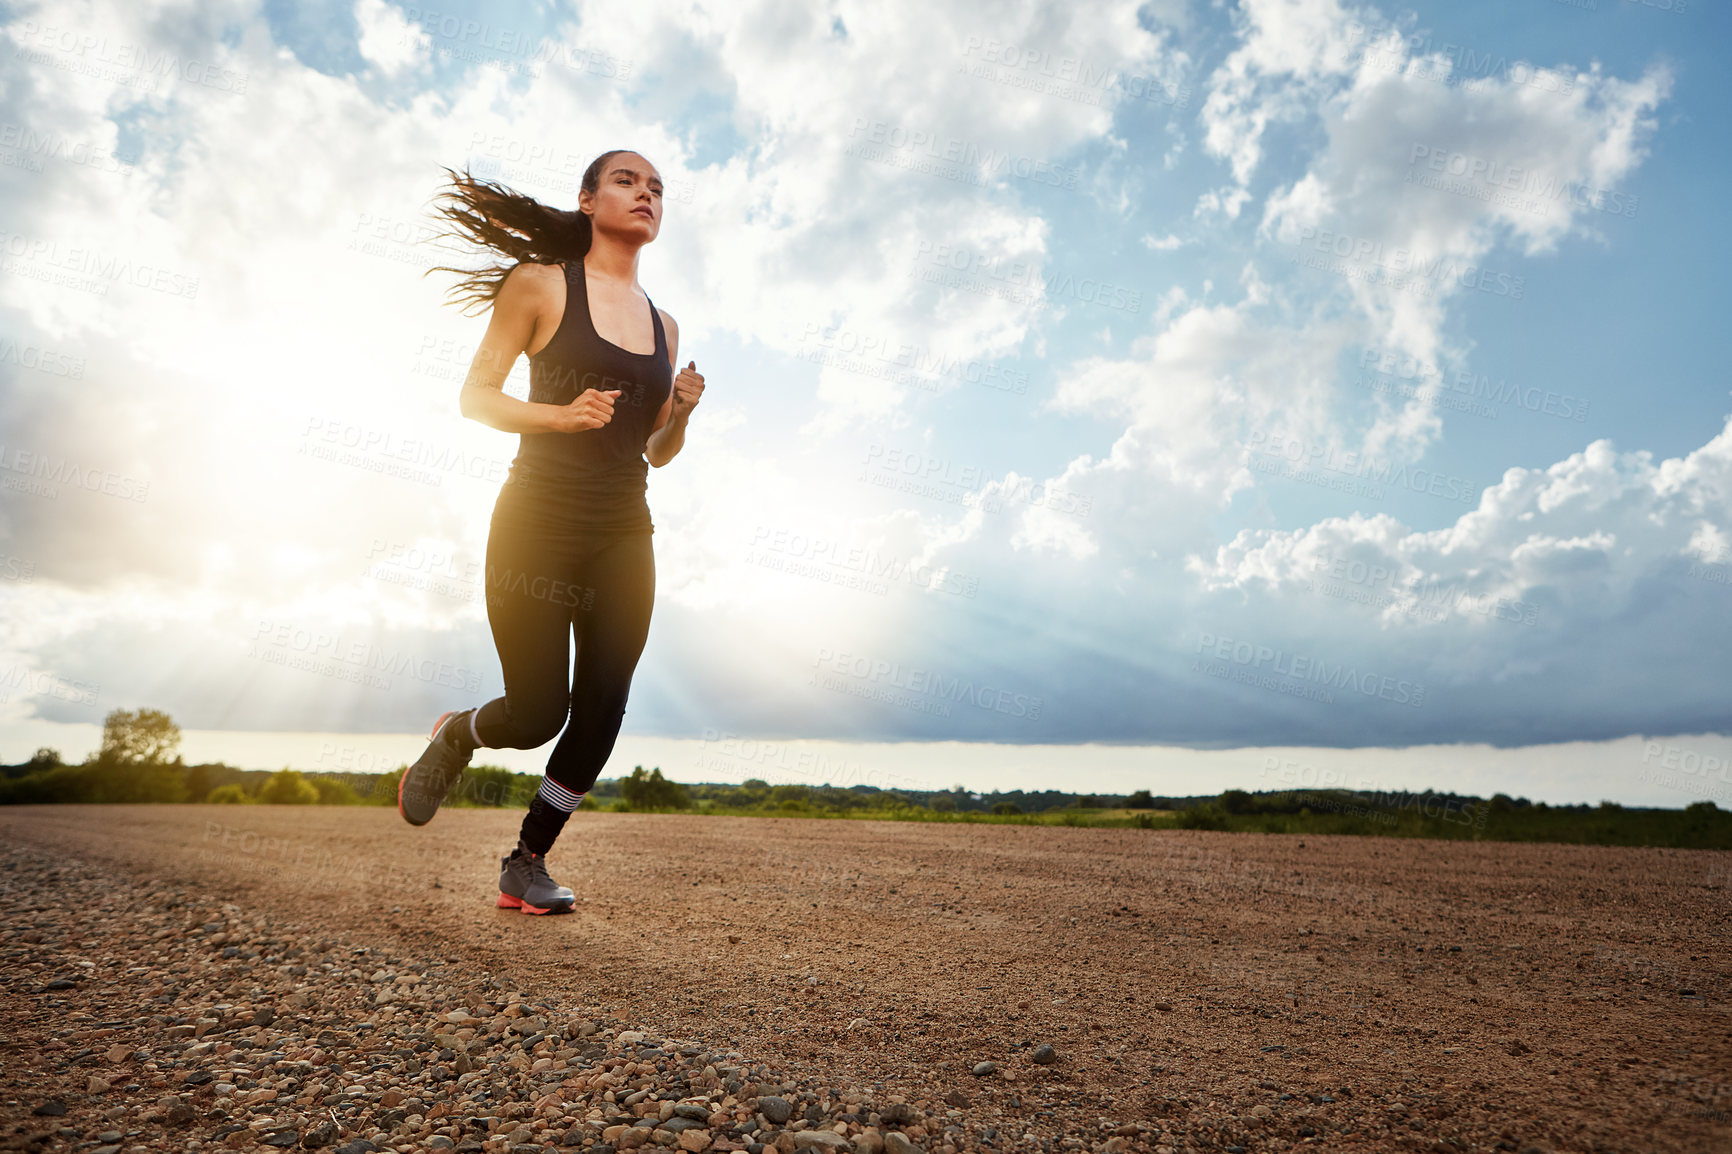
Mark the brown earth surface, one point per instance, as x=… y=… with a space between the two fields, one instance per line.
x=1202 y=990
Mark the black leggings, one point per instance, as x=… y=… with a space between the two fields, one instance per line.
x=543 y=585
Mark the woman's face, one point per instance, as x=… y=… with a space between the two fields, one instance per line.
x=628 y=198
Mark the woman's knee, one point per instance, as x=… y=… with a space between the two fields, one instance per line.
x=535 y=723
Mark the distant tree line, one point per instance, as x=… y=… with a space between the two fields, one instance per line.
x=139 y=761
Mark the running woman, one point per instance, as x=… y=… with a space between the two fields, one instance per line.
x=568 y=548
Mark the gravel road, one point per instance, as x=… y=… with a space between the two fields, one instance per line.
x=257 y=977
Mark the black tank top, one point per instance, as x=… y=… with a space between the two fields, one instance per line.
x=594 y=479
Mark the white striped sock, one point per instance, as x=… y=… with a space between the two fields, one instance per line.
x=472 y=730
x=558 y=796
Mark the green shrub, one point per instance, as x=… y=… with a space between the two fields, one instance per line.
x=653 y=791
x=97 y=781
x=288 y=787
x=201 y=779
x=335 y=791
x=1202 y=817
x=136 y=763
x=494 y=786
x=229 y=795
x=384 y=791
x=1236 y=801
x=1006 y=808
x=62 y=784
x=44 y=760
x=136 y=782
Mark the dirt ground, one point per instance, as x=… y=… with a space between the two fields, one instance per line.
x=1220 y=989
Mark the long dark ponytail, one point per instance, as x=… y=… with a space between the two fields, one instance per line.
x=489 y=215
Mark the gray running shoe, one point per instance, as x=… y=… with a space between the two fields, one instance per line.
x=524 y=885
x=424 y=785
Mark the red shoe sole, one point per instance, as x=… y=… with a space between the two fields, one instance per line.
x=507 y=902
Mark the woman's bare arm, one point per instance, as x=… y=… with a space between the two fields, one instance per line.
x=523 y=303
x=669 y=434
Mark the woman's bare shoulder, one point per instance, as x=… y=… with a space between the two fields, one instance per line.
x=532 y=274
x=536 y=287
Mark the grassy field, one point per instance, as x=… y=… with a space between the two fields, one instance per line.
x=1694 y=828
x=1316 y=812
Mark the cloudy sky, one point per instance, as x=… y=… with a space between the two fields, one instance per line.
x=1284 y=373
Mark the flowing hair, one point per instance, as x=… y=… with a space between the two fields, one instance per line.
x=491 y=216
